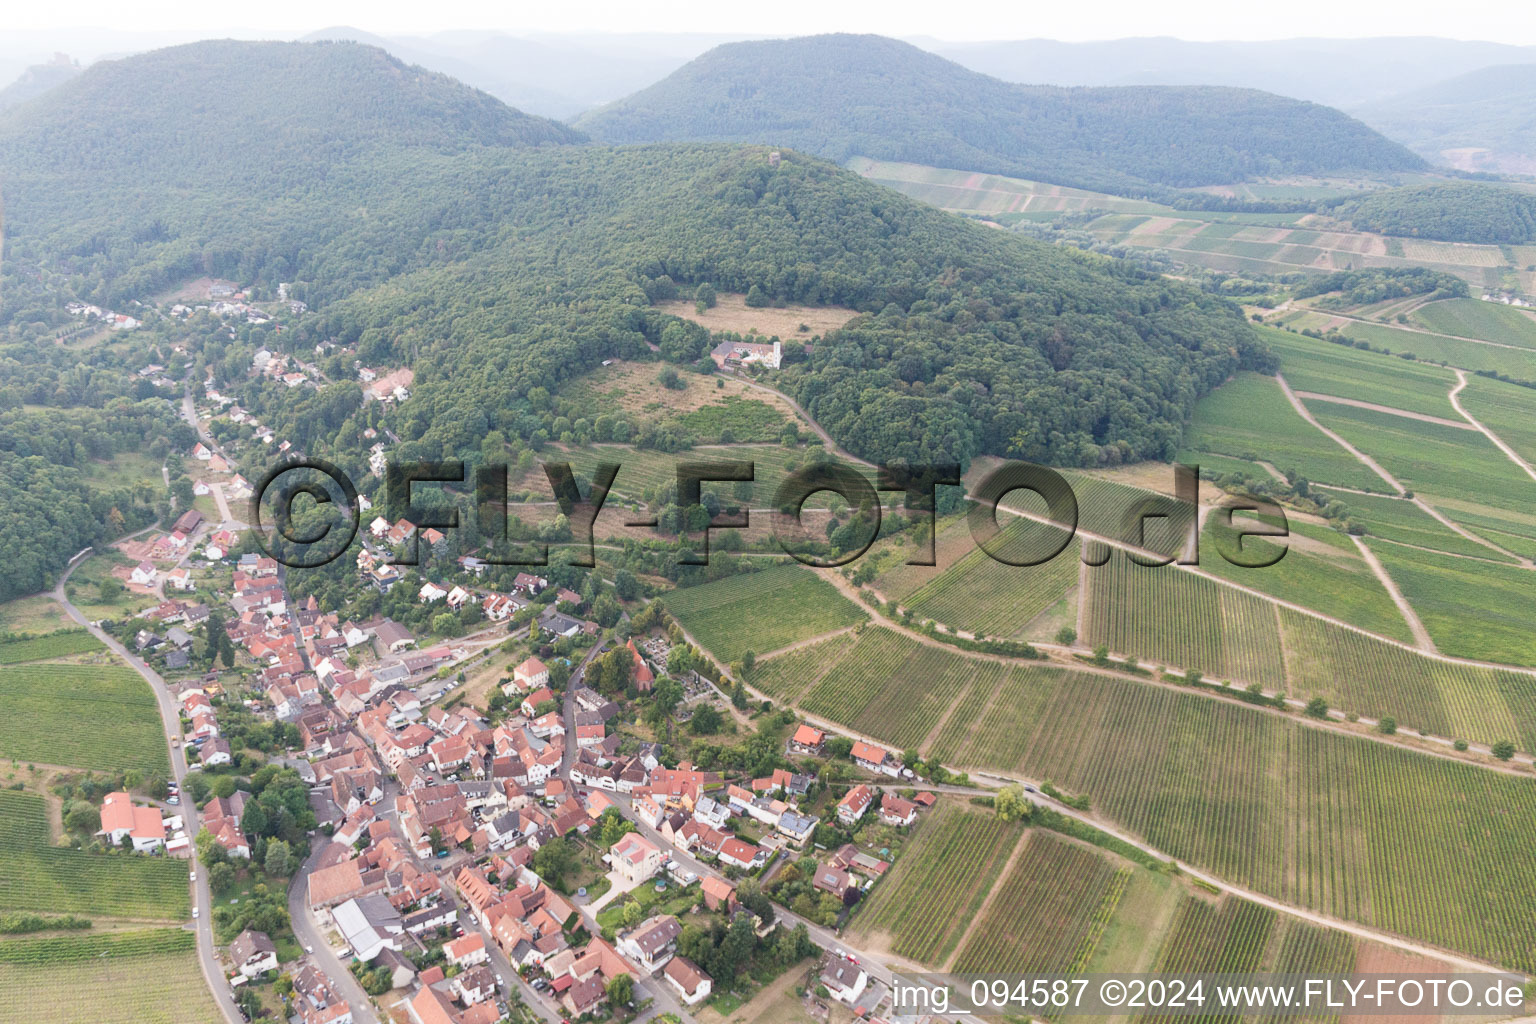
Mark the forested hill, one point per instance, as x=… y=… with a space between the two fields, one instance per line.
x=499 y=270
x=1450 y=212
x=974 y=340
x=843 y=95
x=141 y=170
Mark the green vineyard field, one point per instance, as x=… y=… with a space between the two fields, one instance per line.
x=930 y=897
x=54 y=645
x=35 y=875
x=81 y=716
x=761 y=611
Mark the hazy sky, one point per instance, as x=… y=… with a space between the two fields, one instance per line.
x=1502 y=21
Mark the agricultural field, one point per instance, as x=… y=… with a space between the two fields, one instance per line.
x=52 y=645
x=929 y=898
x=36 y=875
x=1321 y=569
x=1042 y=916
x=1171 y=616
x=789 y=675
x=892 y=687
x=1306 y=815
x=981 y=594
x=138 y=977
x=1401 y=521
x=1508 y=410
x=731 y=313
x=1345 y=372
x=897 y=581
x=643 y=471
x=1422 y=345
x=994 y=195
x=101 y=717
x=31 y=616
x=1474 y=318
x=1432 y=459
x=1371 y=677
x=1249 y=418
x=761 y=611
x=1472 y=608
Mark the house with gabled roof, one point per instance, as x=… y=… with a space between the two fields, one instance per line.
x=854 y=803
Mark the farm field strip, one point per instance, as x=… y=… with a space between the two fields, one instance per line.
x=1179 y=618
x=931 y=895
x=38 y=876
x=1043 y=912
x=1473 y=318
x=54 y=645
x=1309 y=816
x=788 y=675
x=727 y=616
x=1431 y=459
x=1320 y=569
x=144 y=978
x=1250 y=418
x=96 y=717
x=1400 y=520
x=980 y=594
x=1473 y=609
x=1346 y=372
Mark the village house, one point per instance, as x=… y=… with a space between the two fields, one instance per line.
x=652 y=942
x=253 y=953
x=854 y=803
x=634 y=858
x=688 y=980
x=896 y=811
x=143 y=826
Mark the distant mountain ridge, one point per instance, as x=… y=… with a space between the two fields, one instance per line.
x=841 y=95
x=1484 y=120
x=1343 y=73
x=38 y=79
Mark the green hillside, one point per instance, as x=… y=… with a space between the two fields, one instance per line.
x=840 y=96
x=1485 y=214
x=169 y=162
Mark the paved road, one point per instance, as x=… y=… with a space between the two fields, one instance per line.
x=311 y=938
x=171 y=721
x=510 y=978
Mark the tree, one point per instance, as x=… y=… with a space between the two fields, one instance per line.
x=620 y=990
x=1387 y=726
x=279 y=860
x=1503 y=750
x=1317 y=707
x=553 y=861
x=82 y=818
x=631 y=913
x=1066 y=635
x=1011 y=804
x=756 y=297
x=221 y=876
x=706 y=721
x=704 y=296
x=254 y=821
x=626 y=585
